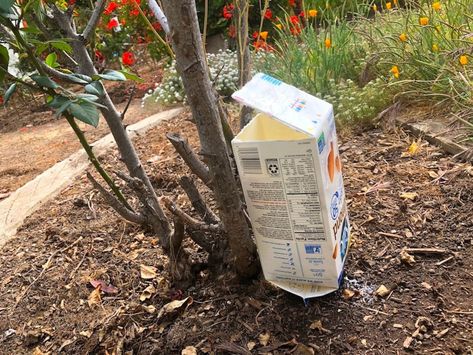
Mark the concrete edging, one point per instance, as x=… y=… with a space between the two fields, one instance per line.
x=28 y=198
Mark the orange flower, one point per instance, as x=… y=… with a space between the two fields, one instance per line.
x=403 y=37
x=463 y=60
x=437 y=6
x=264 y=35
x=395 y=71
x=312 y=13
x=279 y=26
x=424 y=21
x=375 y=8
x=389 y=6
x=395 y=2
x=328 y=43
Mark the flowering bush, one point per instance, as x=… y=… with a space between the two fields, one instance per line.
x=223 y=67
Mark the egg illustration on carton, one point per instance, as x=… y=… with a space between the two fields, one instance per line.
x=290 y=169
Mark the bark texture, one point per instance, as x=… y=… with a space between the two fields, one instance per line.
x=187 y=45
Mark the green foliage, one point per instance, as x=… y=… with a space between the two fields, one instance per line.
x=4 y=60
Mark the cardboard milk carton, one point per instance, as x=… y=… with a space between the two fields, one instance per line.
x=290 y=170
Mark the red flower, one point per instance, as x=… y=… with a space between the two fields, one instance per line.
x=302 y=14
x=268 y=15
x=71 y=2
x=99 y=57
x=294 y=20
x=292 y=3
x=112 y=23
x=228 y=11
x=128 y=58
x=124 y=2
x=255 y=35
x=295 y=30
x=110 y=8
x=261 y=44
x=157 y=26
x=123 y=22
x=134 y=12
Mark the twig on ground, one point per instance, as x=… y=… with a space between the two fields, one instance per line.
x=434 y=251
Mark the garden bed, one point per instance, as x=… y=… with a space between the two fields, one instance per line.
x=395 y=201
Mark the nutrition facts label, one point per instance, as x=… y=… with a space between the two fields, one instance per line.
x=300 y=183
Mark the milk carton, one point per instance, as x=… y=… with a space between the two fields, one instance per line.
x=291 y=174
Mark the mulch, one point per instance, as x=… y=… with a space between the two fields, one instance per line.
x=420 y=202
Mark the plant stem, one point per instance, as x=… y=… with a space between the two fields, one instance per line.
x=93 y=159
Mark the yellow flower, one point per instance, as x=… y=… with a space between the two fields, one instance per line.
x=437 y=6
x=264 y=35
x=463 y=60
x=328 y=43
x=375 y=8
x=312 y=13
x=403 y=37
x=389 y=5
x=395 y=71
x=435 y=48
x=424 y=21
x=279 y=26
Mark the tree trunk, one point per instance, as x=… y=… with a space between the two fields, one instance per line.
x=187 y=45
x=243 y=52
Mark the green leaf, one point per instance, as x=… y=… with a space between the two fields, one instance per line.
x=61 y=45
x=9 y=93
x=83 y=77
x=31 y=29
x=131 y=76
x=51 y=60
x=75 y=79
x=41 y=47
x=4 y=60
x=57 y=101
x=111 y=75
x=44 y=81
x=87 y=97
x=63 y=108
x=85 y=112
x=95 y=88
x=6 y=5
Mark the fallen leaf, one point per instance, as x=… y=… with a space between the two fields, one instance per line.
x=264 y=338
x=37 y=351
x=86 y=333
x=442 y=333
x=94 y=297
x=364 y=342
x=189 y=350
x=348 y=294
x=174 y=306
x=147 y=293
x=104 y=287
x=409 y=195
x=150 y=309
x=412 y=150
x=426 y=286
x=407 y=258
x=302 y=349
x=251 y=345
x=382 y=291
x=433 y=174
x=317 y=325
x=398 y=326
x=148 y=272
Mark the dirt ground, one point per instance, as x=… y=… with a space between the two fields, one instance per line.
x=396 y=201
x=28 y=129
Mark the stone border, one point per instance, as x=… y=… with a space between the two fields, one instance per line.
x=28 y=198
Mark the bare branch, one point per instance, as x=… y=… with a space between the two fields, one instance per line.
x=132 y=94
x=116 y=205
x=192 y=160
x=188 y=220
x=64 y=22
x=197 y=201
x=54 y=72
x=178 y=236
x=94 y=19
